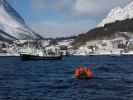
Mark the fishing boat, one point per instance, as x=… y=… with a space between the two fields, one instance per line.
x=37 y=57
x=51 y=53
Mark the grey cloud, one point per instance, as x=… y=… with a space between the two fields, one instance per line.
x=97 y=7
x=79 y=7
x=38 y=4
x=55 y=5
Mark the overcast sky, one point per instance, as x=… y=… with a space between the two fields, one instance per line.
x=64 y=17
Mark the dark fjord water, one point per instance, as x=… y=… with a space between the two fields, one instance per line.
x=53 y=80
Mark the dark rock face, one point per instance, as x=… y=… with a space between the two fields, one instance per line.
x=106 y=32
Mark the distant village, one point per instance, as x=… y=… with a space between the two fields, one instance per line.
x=106 y=47
x=115 y=46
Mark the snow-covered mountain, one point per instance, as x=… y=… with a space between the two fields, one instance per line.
x=119 y=14
x=12 y=25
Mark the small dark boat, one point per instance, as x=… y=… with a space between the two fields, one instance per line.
x=36 y=57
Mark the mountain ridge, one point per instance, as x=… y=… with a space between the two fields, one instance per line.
x=13 y=25
x=119 y=28
x=118 y=14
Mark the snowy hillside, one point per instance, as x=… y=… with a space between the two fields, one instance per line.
x=118 y=13
x=12 y=25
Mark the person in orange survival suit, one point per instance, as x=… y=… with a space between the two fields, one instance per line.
x=89 y=72
x=78 y=71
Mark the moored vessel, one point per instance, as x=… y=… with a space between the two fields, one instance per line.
x=53 y=53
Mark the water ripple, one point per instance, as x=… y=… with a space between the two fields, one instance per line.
x=53 y=80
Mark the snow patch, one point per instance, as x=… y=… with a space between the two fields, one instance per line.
x=119 y=14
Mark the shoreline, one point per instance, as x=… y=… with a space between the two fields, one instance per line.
x=74 y=54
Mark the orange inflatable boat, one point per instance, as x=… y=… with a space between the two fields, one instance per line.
x=83 y=73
